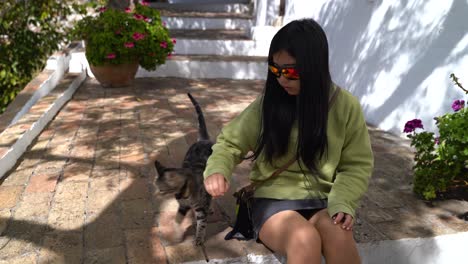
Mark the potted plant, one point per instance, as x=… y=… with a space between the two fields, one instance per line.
x=118 y=41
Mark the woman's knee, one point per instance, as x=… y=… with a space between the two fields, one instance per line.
x=338 y=245
x=340 y=237
x=303 y=238
x=335 y=236
x=332 y=233
x=287 y=231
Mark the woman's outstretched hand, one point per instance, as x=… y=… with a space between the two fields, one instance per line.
x=216 y=185
x=345 y=220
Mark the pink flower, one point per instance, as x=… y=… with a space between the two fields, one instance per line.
x=458 y=105
x=129 y=44
x=118 y=32
x=437 y=140
x=138 y=36
x=411 y=125
x=138 y=17
x=102 y=9
x=164 y=24
x=128 y=10
x=174 y=41
x=163 y=44
x=147 y=19
x=144 y=3
x=169 y=55
x=111 y=56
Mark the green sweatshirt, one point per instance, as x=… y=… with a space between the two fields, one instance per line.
x=345 y=167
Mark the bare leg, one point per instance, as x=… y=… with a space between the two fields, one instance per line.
x=288 y=233
x=338 y=245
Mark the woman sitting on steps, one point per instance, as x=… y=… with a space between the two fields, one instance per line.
x=308 y=210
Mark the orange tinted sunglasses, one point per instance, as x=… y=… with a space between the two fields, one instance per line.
x=289 y=71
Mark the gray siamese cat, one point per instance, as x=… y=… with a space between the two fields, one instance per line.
x=186 y=182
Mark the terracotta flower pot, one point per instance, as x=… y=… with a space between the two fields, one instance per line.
x=120 y=75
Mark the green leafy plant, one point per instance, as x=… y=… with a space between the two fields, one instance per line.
x=29 y=33
x=441 y=162
x=118 y=37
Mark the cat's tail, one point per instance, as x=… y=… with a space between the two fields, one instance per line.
x=202 y=130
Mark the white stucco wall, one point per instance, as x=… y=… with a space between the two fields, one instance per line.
x=394 y=55
x=266 y=12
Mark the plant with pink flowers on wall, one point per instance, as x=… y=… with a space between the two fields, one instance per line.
x=441 y=162
x=125 y=36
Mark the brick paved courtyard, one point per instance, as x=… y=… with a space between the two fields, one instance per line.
x=83 y=192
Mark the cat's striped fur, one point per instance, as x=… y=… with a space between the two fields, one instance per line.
x=186 y=182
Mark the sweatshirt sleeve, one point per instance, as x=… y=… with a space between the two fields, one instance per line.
x=236 y=139
x=355 y=166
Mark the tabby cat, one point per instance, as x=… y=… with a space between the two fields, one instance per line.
x=186 y=182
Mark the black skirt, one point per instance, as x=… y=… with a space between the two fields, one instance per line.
x=264 y=208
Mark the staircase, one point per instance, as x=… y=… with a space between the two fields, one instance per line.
x=213 y=41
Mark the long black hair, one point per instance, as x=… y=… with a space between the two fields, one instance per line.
x=305 y=41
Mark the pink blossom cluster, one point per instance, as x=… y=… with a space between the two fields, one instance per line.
x=457 y=105
x=411 y=125
x=138 y=36
x=111 y=56
x=139 y=17
x=142 y=17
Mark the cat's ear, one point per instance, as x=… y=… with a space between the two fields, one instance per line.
x=159 y=167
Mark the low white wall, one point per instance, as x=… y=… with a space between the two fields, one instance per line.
x=396 y=56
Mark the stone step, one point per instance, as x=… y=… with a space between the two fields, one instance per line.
x=203 y=66
x=172 y=13
x=205 y=15
x=235 y=42
x=205 y=20
x=216 y=58
x=210 y=34
x=185 y=22
x=238 y=8
x=227 y=47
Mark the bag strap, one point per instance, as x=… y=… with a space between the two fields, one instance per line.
x=284 y=167
x=274 y=174
x=291 y=161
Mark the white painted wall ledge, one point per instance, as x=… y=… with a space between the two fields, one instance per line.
x=436 y=250
x=35 y=127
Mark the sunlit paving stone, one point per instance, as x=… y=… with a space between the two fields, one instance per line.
x=28 y=259
x=62 y=247
x=5 y=214
x=20 y=245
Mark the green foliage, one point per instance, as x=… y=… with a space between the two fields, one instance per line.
x=116 y=37
x=441 y=161
x=29 y=33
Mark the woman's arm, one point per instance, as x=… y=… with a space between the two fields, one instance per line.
x=236 y=139
x=355 y=166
